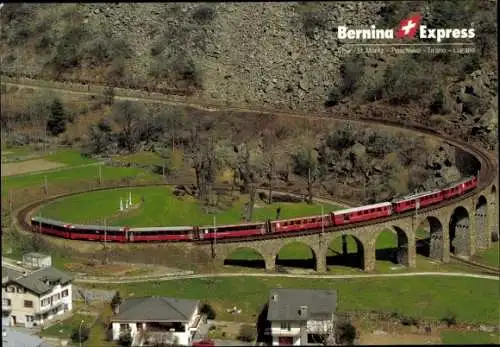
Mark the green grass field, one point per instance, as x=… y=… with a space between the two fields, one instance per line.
x=469 y=338
x=65 y=328
x=72 y=174
x=161 y=208
x=425 y=297
x=489 y=256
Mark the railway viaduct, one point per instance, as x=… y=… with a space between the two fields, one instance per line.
x=460 y=228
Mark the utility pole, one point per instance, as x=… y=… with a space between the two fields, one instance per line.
x=322 y=221
x=100 y=173
x=45 y=184
x=105 y=237
x=215 y=236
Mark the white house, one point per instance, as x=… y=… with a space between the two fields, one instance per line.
x=157 y=319
x=33 y=298
x=301 y=316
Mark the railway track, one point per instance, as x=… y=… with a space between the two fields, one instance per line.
x=487 y=161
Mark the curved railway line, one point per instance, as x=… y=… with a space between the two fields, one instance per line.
x=486 y=175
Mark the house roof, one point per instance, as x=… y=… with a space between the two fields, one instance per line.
x=9 y=274
x=12 y=338
x=36 y=281
x=285 y=304
x=156 y=309
x=35 y=255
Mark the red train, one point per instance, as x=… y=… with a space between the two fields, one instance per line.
x=192 y=233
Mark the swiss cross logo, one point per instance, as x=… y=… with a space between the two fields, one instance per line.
x=408 y=27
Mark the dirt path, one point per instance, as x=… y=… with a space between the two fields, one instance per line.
x=173 y=276
x=29 y=166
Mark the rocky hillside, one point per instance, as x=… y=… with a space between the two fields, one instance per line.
x=284 y=55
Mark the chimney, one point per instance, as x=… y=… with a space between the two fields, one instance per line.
x=116 y=309
x=303 y=311
x=274 y=297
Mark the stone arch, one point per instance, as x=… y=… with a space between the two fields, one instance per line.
x=346 y=250
x=392 y=245
x=294 y=254
x=481 y=215
x=494 y=218
x=245 y=256
x=459 y=228
x=430 y=238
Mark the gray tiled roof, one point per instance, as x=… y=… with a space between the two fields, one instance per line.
x=36 y=280
x=9 y=274
x=284 y=304
x=156 y=309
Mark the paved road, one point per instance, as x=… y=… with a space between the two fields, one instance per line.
x=333 y=277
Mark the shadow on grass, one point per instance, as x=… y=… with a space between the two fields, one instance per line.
x=423 y=247
x=354 y=260
x=264 y=327
x=387 y=254
x=253 y=264
x=298 y=263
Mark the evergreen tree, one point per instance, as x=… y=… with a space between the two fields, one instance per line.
x=56 y=123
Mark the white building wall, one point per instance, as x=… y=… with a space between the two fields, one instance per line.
x=183 y=337
x=20 y=312
x=294 y=332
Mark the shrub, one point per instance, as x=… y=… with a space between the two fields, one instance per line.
x=247 y=333
x=409 y=321
x=208 y=310
x=450 y=319
x=56 y=123
x=405 y=81
x=345 y=333
x=125 y=339
x=312 y=21
x=333 y=98
x=437 y=105
x=203 y=14
x=494 y=237
x=80 y=335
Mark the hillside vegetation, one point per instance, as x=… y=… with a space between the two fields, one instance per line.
x=284 y=55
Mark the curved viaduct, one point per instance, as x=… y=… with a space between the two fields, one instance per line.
x=461 y=226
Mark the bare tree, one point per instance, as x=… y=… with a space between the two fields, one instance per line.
x=249 y=168
x=269 y=141
x=128 y=115
x=306 y=165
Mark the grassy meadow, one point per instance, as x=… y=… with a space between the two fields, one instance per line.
x=423 y=297
x=161 y=207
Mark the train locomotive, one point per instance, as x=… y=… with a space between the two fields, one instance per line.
x=287 y=226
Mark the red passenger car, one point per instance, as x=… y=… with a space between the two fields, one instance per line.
x=363 y=213
x=419 y=200
x=298 y=224
x=460 y=188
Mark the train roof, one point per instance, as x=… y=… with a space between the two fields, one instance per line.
x=176 y=228
x=463 y=180
x=49 y=221
x=418 y=195
x=231 y=225
x=362 y=208
x=300 y=218
x=97 y=227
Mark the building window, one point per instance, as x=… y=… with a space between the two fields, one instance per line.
x=124 y=327
x=29 y=318
x=21 y=290
x=66 y=307
x=65 y=293
x=45 y=302
x=285 y=326
x=10 y=289
x=6 y=302
x=28 y=303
